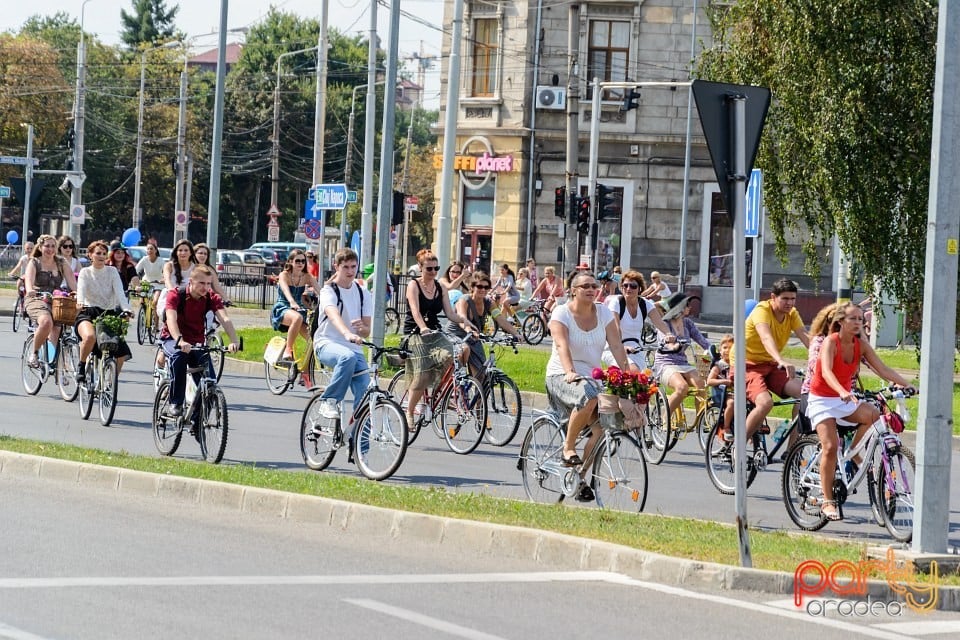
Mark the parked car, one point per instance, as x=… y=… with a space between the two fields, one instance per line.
x=239 y=267
x=140 y=250
x=274 y=259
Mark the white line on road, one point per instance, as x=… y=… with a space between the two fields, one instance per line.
x=12 y=633
x=419 y=618
x=915 y=628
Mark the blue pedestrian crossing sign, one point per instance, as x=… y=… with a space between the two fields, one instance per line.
x=752 y=219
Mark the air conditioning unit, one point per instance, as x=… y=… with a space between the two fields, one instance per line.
x=553 y=98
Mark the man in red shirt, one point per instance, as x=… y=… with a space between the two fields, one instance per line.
x=185 y=325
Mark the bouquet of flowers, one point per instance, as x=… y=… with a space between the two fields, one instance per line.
x=636 y=386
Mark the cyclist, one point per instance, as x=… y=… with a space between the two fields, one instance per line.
x=504 y=289
x=150 y=269
x=456 y=280
x=288 y=313
x=658 y=290
x=185 y=325
x=98 y=289
x=123 y=263
x=67 y=248
x=20 y=269
x=767 y=330
x=45 y=271
x=345 y=322
x=176 y=272
x=430 y=350
x=580 y=329
x=549 y=289
x=831 y=402
x=671 y=365
x=630 y=317
x=476 y=307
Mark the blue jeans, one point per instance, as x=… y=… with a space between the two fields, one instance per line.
x=349 y=370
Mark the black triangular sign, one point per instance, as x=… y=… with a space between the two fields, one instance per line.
x=712 y=104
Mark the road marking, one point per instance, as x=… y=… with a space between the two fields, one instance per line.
x=12 y=633
x=922 y=628
x=419 y=618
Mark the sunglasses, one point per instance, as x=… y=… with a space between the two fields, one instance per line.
x=592 y=285
x=481 y=286
x=66 y=246
x=299 y=261
x=431 y=268
x=629 y=285
x=456 y=273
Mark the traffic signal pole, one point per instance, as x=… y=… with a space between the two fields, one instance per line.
x=592 y=172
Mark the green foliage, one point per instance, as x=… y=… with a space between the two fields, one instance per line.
x=847 y=139
x=150 y=22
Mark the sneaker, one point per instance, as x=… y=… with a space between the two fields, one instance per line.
x=174 y=411
x=82 y=373
x=329 y=409
x=727 y=436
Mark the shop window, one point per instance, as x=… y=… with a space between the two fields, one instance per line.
x=478 y=206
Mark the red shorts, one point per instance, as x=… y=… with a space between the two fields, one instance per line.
x=766 y=376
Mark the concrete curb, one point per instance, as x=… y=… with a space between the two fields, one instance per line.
x=551 y=551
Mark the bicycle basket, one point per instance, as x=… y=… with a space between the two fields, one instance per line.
x=64 y=310
x=107 y=342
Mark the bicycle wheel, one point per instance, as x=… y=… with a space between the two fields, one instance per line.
x=33 y=377
x=896 y=480
x=620 y=473
x=152 y=328
x=277 y=376
x=108 y=390
x=710 y=417
x=504 y=407
x=397 y=389
x=391 y=321
x=533 y=329
x=88 y=388
x=463 y=415
x=166 y=431
x=141 y=324
x=215 y=342
x=318 y=436
x=18 y=313
x=657 y=430
x=544 y=477
x=214 y=425
x=800 y=484
x=380 y=442
x=67 y=364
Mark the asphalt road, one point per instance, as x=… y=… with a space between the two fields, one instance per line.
x=89 y=564
x=264 y=430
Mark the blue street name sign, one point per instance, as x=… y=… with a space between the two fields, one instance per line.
x=18 y=160
x=754 y=204
x=351 y=196
x=329 y=196
x=4 y=192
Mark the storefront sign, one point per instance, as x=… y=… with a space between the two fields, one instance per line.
x=476 y=170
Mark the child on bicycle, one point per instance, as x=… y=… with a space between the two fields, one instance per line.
x=721 y=375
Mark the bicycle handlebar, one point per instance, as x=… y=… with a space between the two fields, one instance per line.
x=205 y=348
x=889 y=392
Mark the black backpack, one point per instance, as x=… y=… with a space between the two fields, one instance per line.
x=642 y=306
x=182 y=303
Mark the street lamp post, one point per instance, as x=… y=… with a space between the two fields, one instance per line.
x=76 y=192
x=275 y=153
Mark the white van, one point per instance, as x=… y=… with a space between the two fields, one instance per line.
x=287 y=247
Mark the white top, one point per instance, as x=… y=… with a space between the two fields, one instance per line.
x=630 y=326
x=100 y=288
x=326 y=331
x=665 y=291
x=152 y=271
x=184 y=274
x=585 y=346
x=525 y=287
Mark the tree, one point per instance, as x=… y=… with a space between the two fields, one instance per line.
x=846 y=148
x=149 y=23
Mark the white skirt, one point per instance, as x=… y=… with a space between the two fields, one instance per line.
x=820 y=408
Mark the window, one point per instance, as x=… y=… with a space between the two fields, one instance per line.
x=478 y=206
x=608 y=55
x=484 y=57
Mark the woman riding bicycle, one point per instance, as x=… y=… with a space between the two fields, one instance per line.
x=45 y=271
x=580 y=330
x=99 y=289
x=550 y=289
x=430 y=350
x=631 y=317
x=176 y=273
x=476 y=308
x=124 y=264
x=288 y=313
x=67 y=248
x=150 y=269
x=671 y=365
x=831 y=402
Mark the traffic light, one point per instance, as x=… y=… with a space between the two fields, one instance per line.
x=398 y=202
x=572 y=209
x=630 y=100
x=608 y=202
x=560 y=202
x=583 y=214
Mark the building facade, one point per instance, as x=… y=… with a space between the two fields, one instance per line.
x=517 y=96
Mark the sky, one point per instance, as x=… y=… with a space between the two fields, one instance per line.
x=200 y=19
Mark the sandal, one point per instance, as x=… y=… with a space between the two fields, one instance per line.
x=830 y=510
x=572 y=461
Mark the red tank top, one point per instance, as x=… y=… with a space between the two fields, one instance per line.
x=844 y=371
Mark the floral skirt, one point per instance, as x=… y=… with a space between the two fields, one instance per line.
x=430 y=355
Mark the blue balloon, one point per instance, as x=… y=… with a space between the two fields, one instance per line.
x=12 y=237
x=131 y=237
x=748 y=307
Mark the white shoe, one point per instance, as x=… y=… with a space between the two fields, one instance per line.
x=329 y=409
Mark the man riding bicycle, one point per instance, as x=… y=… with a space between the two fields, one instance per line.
x=185 y=325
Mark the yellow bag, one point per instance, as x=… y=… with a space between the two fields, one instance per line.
x=274 y=349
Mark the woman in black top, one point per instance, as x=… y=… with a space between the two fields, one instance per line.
x=476 y=308
x=430 y=351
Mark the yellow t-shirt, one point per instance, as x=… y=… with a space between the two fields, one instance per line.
x=781 y=331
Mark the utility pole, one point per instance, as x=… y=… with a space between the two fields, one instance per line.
x=369 y=142
x=404 y=237
x=685 y=206
x=27 y=187
x=76 y=191
x=275 y=151
x=179 y=202
x=319 y=125
x=213 y=203
x=442 y=239
x=573 y=117
x=138 y=170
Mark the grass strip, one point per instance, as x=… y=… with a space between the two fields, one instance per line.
x=678 y=537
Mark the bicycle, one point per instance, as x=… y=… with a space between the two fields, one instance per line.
x=205 y=413
x=504 y=404
x=60 y=359
x=534 y=326
x=455 y=406
x=378 y=428
x=719 y=452
x=281 y=375
x=147 y=314
x=20 y=306
x=618 y=470
x=886 y=463
x=101 y=375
